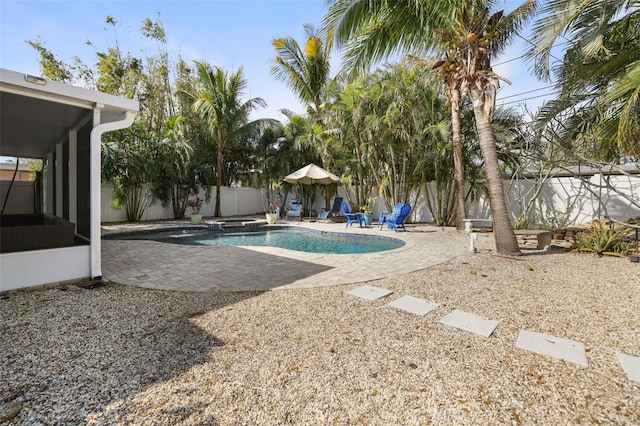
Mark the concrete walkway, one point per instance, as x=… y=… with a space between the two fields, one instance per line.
x=166 y=266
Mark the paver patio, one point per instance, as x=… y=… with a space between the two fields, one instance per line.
x=165 y=266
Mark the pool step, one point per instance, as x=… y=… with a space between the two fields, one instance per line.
x=243 y=224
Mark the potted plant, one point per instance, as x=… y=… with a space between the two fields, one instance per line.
x=194 y=204
x=367 y=213
x=270 y=206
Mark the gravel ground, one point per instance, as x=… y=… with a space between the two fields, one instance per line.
x=125 y=355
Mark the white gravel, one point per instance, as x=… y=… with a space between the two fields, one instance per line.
x=126 y=355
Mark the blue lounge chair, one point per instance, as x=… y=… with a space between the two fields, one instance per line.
x=397 y=219
x=386 y=215
x=335 y=209
x=352 y=217
x=295 y=208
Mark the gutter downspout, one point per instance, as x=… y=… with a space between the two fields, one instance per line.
x=95 y=181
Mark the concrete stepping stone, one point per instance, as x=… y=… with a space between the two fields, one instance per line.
x=470 y=322
x=555 y=347
x=630 y=365
x=414 y=305
x=369 y=292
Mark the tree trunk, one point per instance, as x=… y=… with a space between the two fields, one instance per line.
x=505 y=238
x=360 y=194
x=216 y=212
x=457 y=158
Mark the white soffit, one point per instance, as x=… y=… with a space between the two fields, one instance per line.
x=37 y=113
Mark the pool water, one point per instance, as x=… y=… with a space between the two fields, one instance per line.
x=293 y=240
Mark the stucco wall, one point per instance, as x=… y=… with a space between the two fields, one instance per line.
x=569 y=199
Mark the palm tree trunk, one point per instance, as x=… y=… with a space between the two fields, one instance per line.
x=216 y=212
x=457 y=158
x=505 y=238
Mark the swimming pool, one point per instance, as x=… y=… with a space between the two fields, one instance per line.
x=300 y=240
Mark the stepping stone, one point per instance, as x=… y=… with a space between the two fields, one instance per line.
x=470 y=322
x=555 y=347
x=369 y=292
x=414 y=305
x=630 y=365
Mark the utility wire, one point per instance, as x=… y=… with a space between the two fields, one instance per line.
x=521 y=56
x=524 y=93
x=533 y=44
x=507 y=61
x=526 y=99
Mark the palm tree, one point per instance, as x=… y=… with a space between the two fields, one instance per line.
x=465 y=32
x=126 y=164
x=219 y=104
x=475 y=38
x=599 y=76
x=171 y=171
x=346 y=122
x=305 y=71
x=453 y=92
x=405 y=121
x=378 y=30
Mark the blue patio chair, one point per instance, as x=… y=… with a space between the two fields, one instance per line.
x=352 y=217
x=384 y=216
x=397 y=220
x=337 y=205
x=335 y=209
x=295 y=208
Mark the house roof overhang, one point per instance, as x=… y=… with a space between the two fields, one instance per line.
x=36 y=113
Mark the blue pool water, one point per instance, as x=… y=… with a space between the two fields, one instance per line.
x=293 y=240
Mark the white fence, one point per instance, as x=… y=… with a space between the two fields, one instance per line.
x=565 y=200
x=234 y=202
x=569 y=200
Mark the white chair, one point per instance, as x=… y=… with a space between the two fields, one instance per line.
x=295 y=209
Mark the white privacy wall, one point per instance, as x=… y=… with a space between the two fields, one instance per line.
x=571 y=198
x=568 y=197
x=235 y=202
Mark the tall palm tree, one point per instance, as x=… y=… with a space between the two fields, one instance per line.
x=453 y=92
x=599 y=76
x=171 y=172
x=346 y=122
x=381 y=29
x=304 y=70
x=219 y=104
x=461 y=29
x=405 y=121
x=469 y=46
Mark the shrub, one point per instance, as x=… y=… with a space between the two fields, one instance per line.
x=603 y=240
x=520 y=222
x=549 y=218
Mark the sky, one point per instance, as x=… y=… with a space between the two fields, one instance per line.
x=225 y=33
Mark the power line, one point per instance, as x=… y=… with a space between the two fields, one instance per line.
x=523 y=55
x=507 y=61
x=524 y=93
x=533 y=44
x=526 y=99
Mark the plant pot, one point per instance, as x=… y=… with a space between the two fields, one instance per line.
x=196 y=219
x=368 y=218
x=272 y=218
